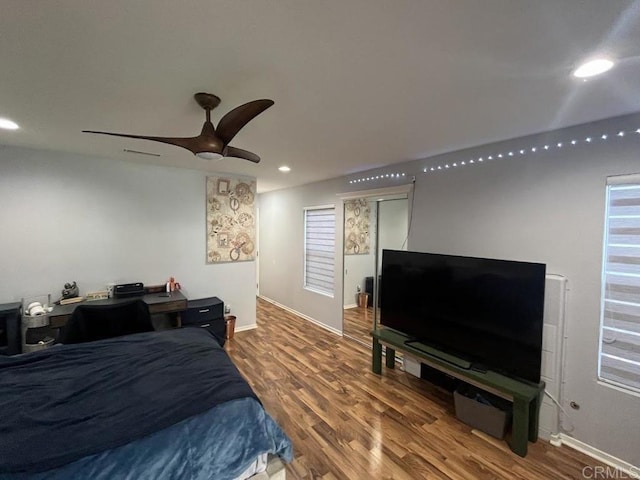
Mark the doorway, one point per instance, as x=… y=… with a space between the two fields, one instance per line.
x=371 y=224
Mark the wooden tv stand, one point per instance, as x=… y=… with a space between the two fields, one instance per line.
x=526 y=397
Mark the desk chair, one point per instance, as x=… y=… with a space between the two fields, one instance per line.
x=10 y=335
x=89 y=323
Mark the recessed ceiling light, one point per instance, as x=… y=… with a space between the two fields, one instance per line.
x=593 y=67
x=284 y=168
x=8 y=124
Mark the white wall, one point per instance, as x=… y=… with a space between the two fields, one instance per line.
x=356 y=269
x=75 y=218
x=545 y=206
x=393 y=220
x=282 y=251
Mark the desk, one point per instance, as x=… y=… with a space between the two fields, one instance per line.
x=175 y=303
x=526 y=397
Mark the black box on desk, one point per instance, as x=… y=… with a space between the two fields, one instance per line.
x=482 y=410
x=127 y=290
x=206 y=313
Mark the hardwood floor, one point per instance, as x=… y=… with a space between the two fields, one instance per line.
x=357 y=322
x=347 y=423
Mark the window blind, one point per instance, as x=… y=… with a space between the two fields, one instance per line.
x=619 y=361
x=319 y=249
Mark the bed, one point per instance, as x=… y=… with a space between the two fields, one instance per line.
x=156 y=405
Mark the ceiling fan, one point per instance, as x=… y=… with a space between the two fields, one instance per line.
x=212 y=143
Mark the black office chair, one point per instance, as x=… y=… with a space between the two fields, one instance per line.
x=10 y=334
x=89 y=323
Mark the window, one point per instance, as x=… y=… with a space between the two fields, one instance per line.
x=319 y=249
x=619 y=361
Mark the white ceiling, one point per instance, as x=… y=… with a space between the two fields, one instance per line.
x=357 y=84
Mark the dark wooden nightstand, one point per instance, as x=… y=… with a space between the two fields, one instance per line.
x=206 y=313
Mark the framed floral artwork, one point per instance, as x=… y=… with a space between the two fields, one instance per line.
x=231 y=229
x=357 y=223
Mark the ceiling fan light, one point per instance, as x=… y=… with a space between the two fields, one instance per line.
x=7 y=124
x=209 y=155
x=593 y=67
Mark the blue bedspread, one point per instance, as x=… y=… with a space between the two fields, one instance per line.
x=65 y=403
x=218 y=444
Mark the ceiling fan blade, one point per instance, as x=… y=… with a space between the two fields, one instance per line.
x=237 y=118
x=240 y=153
x=192 y=144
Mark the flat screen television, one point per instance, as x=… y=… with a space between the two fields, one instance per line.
x=488 y=312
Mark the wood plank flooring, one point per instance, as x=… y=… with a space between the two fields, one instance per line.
x=347 y=423
x=357 y=322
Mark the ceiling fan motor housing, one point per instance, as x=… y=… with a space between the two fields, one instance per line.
x=209 y=141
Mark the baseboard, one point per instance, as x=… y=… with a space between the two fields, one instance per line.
x=247 y=327
x=353 y=305
x=302 y=315
x=563 y=439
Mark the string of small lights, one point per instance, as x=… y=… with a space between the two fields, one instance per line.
x=525 y=151
x=377 y=177
x=505 y=154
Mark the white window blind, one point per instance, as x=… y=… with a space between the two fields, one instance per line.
x=619 y=361
x=319 y=249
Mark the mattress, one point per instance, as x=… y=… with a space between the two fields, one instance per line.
x=151 y=405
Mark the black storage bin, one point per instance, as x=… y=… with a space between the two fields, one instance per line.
x=368 y=287
x=482 y=410
x=206 y=313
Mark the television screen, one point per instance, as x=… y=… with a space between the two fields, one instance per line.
x=486 y=311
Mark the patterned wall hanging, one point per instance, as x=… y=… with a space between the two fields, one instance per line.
x=357 y=215
x=231 y=228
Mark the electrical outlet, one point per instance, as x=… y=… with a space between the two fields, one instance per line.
x=358 y=289
x=227 y=309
